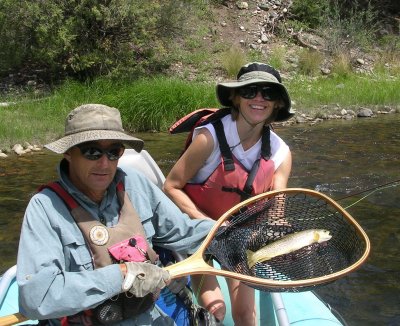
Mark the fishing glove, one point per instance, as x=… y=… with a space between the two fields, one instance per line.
x=144 y=278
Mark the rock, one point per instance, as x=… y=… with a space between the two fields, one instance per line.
x=5 y=104
x=347 y=117
x=36 y=148
x=313 y=122
x=365 y=113
x=3 y=155
x=323 y=116
x=264 y=38
x=301 y=119
x=242 y=5
x=18 y=149
x=325 y=71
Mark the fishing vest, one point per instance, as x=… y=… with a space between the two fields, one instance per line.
x=99 y=239
x=231 y=182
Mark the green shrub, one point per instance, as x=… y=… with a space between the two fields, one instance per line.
x=388 y=61
x=232 y=60
x=341 y=65
x=86 y=38
x=310 y=62
x=349 y=25
x=310 y=12
x=277 y=58
x=342 y=23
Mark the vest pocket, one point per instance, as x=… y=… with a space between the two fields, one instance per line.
x=77 y=255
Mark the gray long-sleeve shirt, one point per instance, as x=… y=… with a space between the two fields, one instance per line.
x=55 y=269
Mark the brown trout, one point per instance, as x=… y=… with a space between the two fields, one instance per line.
x=287 y=244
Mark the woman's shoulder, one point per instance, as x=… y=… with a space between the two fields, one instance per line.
x=275 y=137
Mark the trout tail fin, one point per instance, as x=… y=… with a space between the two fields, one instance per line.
x=250 y=258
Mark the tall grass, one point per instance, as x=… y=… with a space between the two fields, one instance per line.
x=154 y=104
x=147 y=104
x=232 y=60
x=348 y=90
x=276 y=57
x=310 y=62
x=342 y=64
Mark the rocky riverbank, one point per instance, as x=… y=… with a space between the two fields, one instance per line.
x=323 y=114
x=337 y=112
x=19 y=149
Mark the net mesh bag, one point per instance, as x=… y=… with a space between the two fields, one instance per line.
x=267 y=220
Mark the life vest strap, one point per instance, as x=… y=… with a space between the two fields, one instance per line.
x=64 y=195
x=248 y=187
x=243 y=195
x=266 y=143
x=226 y=153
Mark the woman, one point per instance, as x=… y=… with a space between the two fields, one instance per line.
x=254 y=160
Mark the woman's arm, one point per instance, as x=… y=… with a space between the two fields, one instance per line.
x=282 y=173
x=186 y=168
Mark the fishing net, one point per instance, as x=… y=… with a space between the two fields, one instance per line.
x=266 y=220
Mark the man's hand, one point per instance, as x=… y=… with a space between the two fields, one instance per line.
x=144 y=278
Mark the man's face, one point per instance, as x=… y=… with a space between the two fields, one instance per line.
x=90 y=169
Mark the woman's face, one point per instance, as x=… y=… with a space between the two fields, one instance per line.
x=257 y=103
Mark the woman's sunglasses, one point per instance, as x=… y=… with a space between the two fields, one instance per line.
x=93 y=153
x=267 y=92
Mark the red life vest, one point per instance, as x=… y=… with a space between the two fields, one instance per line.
x=197 y=118
x=231 y=182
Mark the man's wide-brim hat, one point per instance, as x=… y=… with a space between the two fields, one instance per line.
x=93 y=122
x=256 y=73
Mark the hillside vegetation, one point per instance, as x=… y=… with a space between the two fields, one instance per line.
x=47 y=41
x=157 y=60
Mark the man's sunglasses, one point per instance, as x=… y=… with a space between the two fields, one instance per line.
x=93 y=152
x=267 y=92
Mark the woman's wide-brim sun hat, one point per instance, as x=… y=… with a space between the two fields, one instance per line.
x=256 y=73
x=93 y=122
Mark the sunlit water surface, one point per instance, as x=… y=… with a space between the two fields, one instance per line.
x=338 y=158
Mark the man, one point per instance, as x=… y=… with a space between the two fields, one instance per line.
x=68 y=269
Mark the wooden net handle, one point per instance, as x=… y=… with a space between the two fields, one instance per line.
x=12 y=319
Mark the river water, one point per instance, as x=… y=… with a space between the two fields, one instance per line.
x=338 y=158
